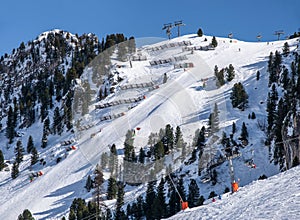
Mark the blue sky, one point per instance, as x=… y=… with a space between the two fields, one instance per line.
x=23 y=20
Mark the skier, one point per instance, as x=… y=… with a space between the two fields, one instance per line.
x=220 y=197
x=213 y=200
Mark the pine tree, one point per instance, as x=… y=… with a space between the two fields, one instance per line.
x=286 y=49
x=230 y=73
x=98 y=181
x=131 y=45
x=10 y=128
x=174 y=201
x=271 y=107
x=200 y=32
x=193 y=195
x=201 y=138
x=2 y=164
x=142 y=156
x=44 y=140
x=159 y=151
x=112 y=188
x=26 y=215
x=122 y=51
x=68 y=116
x=113 y=160
x=140 y=208
x=214 y=42
x=220 y=81
x=179 y=142
x=212 y=194
x=78 y=209
x=214 y=176
x=165 y=78
x=213 y=120
x=104 y=160
x=285 y=78
x=57 y=123
x=244 y=132
x=19 y=152
x=169 y=138
x=216 y=71
x=270 y=62
x=47 y=126
x=159 y=205
x=233 y=127
x=120 y=202
x=239 y=97
x=34 y=156
x=257 y=75
x=181 y=189
x=89 y=184
x=129 y=154
x=30 y=144
x=150 y=198
x=15 y=170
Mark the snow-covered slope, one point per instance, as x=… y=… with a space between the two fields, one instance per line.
x=275 y=198
x=183 y=100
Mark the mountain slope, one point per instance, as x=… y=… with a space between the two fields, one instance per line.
x=277 y=197
x=183 y=100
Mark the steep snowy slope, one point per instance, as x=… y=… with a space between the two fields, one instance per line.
x=183 y=100
x=275 y=198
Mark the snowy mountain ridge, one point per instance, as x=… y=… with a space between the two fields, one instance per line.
x=185 y=99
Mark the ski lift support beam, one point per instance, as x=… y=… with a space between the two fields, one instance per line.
x=178 y=24
x=278 y=33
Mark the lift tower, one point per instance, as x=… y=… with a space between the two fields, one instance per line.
x=278 y=33
x=168 y=28
x=178 y=24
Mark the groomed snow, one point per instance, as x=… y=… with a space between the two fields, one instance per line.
x=275 y=198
